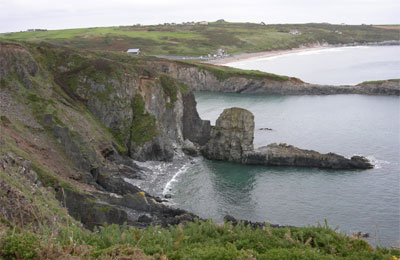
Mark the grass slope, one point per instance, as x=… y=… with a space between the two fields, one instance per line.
x=198 y=240
x=199 y=39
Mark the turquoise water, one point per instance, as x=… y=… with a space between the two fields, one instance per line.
x=336 y=66
x=366 y=201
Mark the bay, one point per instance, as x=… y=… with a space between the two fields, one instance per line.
x=334 y=66
x=355 y=201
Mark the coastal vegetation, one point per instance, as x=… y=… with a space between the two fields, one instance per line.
x=195 y=240
x=200 y=39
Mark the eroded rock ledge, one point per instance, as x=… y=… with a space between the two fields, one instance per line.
x=232 y=140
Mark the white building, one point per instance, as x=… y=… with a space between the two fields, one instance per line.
x=133 y=51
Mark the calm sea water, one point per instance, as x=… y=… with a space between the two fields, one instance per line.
x=336 y=66
x=366 y=201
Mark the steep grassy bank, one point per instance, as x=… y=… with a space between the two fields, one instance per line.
x=197 y=39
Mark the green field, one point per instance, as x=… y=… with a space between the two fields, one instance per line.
x=195 y=40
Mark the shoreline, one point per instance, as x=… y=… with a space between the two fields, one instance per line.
x=264 y=54
x=257 y=55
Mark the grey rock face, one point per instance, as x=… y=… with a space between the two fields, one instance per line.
x=232 y=136
x=194 y=128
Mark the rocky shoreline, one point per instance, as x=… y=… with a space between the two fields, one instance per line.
x=231 y=139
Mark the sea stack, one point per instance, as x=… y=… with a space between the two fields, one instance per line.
x=232 y=136
x=232 y=140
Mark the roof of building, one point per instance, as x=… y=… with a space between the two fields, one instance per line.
x=133 y=50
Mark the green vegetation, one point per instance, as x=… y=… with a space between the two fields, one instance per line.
x=380 y=81
x=222 y=72
x=196 y=40
x=144 y=125
x=198 y=240
x=171 y=88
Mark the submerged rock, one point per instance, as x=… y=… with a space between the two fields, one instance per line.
x=232 y=140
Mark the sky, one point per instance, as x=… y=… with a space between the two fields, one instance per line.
x=20 y=15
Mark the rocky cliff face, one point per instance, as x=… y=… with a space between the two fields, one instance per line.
x=194 y=128
x=223 y=79
x=79 y=118
x=232 y=140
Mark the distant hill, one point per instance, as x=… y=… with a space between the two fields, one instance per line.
x=195 y=39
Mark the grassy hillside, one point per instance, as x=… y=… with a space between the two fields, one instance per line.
x=193 y=40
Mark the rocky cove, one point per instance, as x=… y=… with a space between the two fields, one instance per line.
x=78 y=120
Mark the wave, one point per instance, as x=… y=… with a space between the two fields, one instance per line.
x=378 y=164
x=174 y=178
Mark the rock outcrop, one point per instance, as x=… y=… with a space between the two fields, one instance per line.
x=232 y=136
x=288 y=155
x=194 y=128
x=232 y=140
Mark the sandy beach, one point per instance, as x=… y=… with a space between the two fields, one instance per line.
x=256 y=55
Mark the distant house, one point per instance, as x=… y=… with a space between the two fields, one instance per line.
x=294 y=32
x=133 y=51
x=220 y=52
x=203 y=23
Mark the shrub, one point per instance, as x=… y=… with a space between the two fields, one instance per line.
x=23 y=245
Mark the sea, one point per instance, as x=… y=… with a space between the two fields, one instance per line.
x=353 y=201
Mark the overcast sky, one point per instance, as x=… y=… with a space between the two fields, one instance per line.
x=17 y=15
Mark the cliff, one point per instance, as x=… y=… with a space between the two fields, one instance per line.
x=75 y=120
x=213 y=78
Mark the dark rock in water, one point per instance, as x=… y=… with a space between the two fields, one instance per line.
x=194 y=128
x=360 y=162
x=265 y=128
x=234 y=221
x=232 y=136
x=229 y=218
x=232 y=140
x=287 y=155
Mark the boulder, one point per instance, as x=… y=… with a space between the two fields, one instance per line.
x=190 y=148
